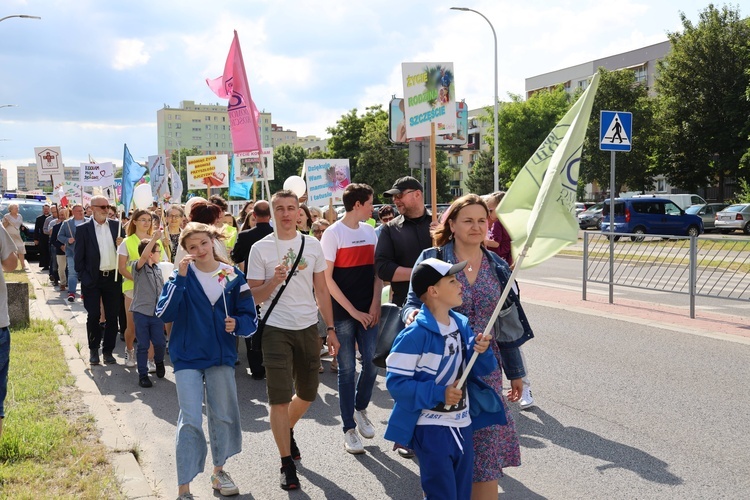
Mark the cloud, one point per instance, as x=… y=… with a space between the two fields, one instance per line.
x=130 y=53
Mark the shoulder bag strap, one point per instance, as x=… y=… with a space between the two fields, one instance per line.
x=286 y=282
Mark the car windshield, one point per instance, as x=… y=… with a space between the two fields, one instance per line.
x=29 y=211
x=735 y=208
x=694 y=209
x=595 y=209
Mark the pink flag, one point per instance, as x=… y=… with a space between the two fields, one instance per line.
x=243 y=115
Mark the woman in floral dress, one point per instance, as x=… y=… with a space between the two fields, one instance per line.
x=13 y=223
x=459 y=237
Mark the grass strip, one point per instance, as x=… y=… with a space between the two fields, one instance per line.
x=49 y=447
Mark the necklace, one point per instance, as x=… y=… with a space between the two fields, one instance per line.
x=469 y=266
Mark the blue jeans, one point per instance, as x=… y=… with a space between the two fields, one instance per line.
x=148 y=330
x=4 y=362
x=218 y=386
x=72 y=275
x=348 y=333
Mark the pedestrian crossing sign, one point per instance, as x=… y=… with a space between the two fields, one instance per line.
x=615 y=130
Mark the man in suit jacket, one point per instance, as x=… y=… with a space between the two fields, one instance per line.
x=95 y=262
x=41 y=239
x=245 y=241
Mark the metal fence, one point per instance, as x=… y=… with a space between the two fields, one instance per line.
x=705 y=267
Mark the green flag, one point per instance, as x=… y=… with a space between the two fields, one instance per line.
x=539 y=208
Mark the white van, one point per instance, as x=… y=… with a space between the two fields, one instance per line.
x=681 y=200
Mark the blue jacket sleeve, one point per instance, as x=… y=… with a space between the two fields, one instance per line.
x=512 y=363
x=411 y=394
x=64 y=234
x=244 y=312
x=172 y=295
x=412 y=301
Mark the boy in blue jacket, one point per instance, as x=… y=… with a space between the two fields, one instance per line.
x=427 y=359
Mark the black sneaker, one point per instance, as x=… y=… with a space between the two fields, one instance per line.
x=293 y=446
x=289 y=480
x=145 y=381
x=93 y=357
x=160 y=370
x=108 y=358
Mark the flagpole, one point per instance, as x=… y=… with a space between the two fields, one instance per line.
x=433 y=173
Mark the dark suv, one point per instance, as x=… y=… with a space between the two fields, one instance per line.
x=650 y=216
x=29 y=209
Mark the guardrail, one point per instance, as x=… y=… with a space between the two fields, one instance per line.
x=705 y=267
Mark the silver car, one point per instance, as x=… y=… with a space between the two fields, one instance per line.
x=734 y=217
x=707 y=212
x=591 y=217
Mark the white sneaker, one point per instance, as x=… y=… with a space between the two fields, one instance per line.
x=527 y=401
x=151 y=366
x=130 y=358
x=352 y=443
x=364 y=426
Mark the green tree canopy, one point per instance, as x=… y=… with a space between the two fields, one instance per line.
x=704 y=110
x=287 y=161
x=480 y=179
x=618 y=91
x=523 y=126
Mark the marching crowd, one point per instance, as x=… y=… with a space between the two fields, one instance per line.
x=186 y=283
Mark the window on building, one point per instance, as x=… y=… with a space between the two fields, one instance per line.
x=169 y=125
x=169 y=117
x=169 y=134
x=460 y=160
x=582 y=84
x=208 y=118
x=169 y=143
x=208 y=127
x=641 y=74
x=661 y=186
x=178 y=134
x=216 y=127
x=177 y=117
x=223 y=118
x=178 y=125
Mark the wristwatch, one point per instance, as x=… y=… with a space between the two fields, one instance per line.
x=331 y=328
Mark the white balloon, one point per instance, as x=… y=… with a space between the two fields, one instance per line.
x=192 y=201
x=142 y=196
x=296 y=184
x=166 y=270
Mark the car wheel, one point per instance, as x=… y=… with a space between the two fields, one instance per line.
x=599 y=225
x=693 y=231
x=617 y=237
x=746 y=229
x=639 y=231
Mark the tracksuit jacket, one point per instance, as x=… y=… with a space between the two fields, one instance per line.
x=415 y=360
x=199 y=339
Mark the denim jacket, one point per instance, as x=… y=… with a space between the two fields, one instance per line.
x=511 y=356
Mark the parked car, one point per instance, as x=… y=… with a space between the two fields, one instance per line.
x=707 y=212
x=582 y=206
x=650 y=216
x=734 y=217
x=591 y=217
x=681 y=200
x=29 y=209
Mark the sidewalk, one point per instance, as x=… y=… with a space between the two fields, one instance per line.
x=706 y=324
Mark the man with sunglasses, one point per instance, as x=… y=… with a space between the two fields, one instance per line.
x=95 y=263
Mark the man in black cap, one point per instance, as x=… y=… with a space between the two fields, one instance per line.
x=403 y=239
x=400 y=243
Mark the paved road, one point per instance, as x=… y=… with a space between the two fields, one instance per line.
x=625 y=410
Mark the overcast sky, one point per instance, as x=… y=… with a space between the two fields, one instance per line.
x=90 y=75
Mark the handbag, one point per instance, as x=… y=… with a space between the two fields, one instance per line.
x=388 y=329
x=262 y=322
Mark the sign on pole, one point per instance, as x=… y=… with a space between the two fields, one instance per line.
x=49 y=161
x=615 y=130
x=97 y=174
x=326 y=180
x=208 y=171
x=429 y=97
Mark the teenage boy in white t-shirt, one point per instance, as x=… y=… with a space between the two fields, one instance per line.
x=349 y=249
x=290 y=336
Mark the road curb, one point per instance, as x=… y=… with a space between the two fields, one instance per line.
x=133 y=482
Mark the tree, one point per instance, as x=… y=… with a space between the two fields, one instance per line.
x=287 y=161
x=480 y=180
x=523 y=126
x=704 y=112
x=345 y=138
x=619 y=91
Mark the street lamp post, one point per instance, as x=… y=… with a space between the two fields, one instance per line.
x=22 y=16
x=495 y=180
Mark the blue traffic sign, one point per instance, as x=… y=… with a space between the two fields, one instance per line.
x=615 y=130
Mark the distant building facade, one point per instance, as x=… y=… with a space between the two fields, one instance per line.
x=28 y=178
x=201 y=126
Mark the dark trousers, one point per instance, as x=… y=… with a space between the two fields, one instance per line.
x=123 y=319
x=255 y=355
x=108 y=291
x=43 y=247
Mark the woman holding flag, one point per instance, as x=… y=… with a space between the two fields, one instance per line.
x=459 y=237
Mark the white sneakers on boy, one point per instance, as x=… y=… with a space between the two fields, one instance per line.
x=527 y=401
x=130 y=358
